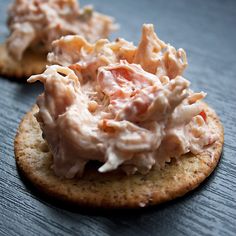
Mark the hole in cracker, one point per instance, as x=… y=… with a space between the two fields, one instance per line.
x=44 y=147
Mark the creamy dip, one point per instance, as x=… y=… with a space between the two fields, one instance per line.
x=107 y=102
x=34 y=24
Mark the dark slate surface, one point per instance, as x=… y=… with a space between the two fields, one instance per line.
x=207 y=30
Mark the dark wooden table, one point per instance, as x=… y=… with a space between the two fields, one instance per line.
x=207 y=30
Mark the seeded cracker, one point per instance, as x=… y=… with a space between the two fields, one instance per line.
x=114 y=189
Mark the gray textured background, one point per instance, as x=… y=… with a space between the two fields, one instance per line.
x=207 y=30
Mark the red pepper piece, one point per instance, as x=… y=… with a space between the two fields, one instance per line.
x=203 y=115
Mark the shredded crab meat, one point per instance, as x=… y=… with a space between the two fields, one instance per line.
x=136 y=95
x=102 y=104
x=34 y=24
x=152 y=54
x=157 y=57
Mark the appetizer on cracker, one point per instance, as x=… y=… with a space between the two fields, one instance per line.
x=34 y=24
x=127 y=107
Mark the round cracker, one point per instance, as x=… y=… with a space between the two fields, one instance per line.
x=31 y=63
x=114 y=189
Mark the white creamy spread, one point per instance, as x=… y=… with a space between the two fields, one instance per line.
x=107 y=102
x=35 y=24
